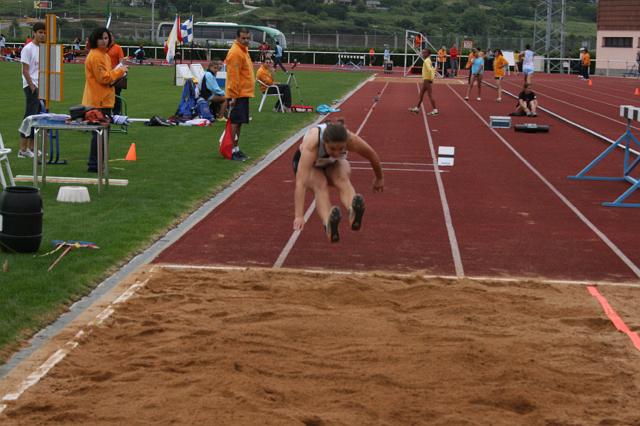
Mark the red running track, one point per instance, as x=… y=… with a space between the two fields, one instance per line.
x=507 y=218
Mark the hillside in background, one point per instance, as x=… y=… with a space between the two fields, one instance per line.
x=438 y=18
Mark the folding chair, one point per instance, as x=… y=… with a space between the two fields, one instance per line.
x=123 y=111
x=266 y=93
x=4 y=159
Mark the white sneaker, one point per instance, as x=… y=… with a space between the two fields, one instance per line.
x=25 y=154
x=433 y=112
x=414 y=109
x=478 y=99
x=466 y=98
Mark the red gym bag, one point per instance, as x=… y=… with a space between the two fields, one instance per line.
x=226 y=141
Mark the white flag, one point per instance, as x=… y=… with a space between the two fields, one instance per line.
x=174 y=37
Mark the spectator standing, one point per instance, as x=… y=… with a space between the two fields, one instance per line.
x=3 y=43
x=30 y=59
x=470 y=58
x=372 y=56
x=76 y=44
x=263 y=49
x=527 y=65
x=387 y=54
x=428 y=75
x=239 y=87
x=116 y=55
x=265 y=75
x=585 y=62
x=98 y=90
x=477 y=70
x=279 y=52
x=520 y=60
x=499 y=64
x=442 y=60
x=453 y=60
x=211 y=92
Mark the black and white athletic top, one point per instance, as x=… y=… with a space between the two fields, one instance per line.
x=323 y=160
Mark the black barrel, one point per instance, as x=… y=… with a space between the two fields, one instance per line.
x=20 y=219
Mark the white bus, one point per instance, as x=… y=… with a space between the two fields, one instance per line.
x=223 y=33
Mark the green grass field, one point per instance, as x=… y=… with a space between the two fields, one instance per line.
x=177 y=169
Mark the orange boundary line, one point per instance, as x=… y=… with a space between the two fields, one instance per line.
x=614 y=317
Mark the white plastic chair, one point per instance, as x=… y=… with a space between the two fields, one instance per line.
x=4 y=159
x=266 y=93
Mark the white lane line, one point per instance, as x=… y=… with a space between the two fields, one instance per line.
x=37 y=375
x=451 y=232
x=282 y=257
x=393 y=163
x=481 y=278
x=403 y=170
x=59 y=355
x=615 y=249
x=586 y=110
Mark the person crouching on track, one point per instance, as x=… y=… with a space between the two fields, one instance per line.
x=477 y=69
x=428 y=75
x=321 y=162
x=265 y=75
x=527 y=102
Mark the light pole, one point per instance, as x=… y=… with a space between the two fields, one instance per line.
x=153 y=20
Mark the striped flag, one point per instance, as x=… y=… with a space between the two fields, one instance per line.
x=187 y=30
x=175 y=36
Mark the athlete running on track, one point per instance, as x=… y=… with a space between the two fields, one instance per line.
x=321 y=162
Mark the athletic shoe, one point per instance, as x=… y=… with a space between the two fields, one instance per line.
x=533 y=114
x=243 y=155
x=466 y=98
x=356 y=212
x=235 y=156
x=499 y=100
x=434 y=112
x=414 y=109
x=478 y=98
x=25 y=154
x=331 y=227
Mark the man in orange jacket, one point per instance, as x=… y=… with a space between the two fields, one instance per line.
x=239 y=87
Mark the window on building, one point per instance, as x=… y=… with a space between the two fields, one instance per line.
x=617 y=42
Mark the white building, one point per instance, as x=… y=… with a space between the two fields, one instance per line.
x=618 y=36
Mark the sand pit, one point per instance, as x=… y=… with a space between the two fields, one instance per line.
x=291 y=348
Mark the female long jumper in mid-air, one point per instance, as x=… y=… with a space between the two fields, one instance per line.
x=321 y=162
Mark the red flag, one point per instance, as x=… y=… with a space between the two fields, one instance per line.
x=226 y=141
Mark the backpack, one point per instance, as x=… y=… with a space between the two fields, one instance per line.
x=204 y=90
x=203 y=110
x=187 y=105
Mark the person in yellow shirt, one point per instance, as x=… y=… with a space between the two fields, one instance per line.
x=428 y=74
x=585 y=62
x=499 y=65
x=442 y=59
x=265 y=75
x=239 y=87
x=98 y=91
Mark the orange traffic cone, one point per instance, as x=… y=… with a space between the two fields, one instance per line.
x=590 y=83
x=131 y=155
x=637 y=92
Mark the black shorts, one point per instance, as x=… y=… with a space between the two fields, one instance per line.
x=239 y=113
x=32 y=106
x=296 y=160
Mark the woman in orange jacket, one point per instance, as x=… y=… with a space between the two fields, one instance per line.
x=98 y=90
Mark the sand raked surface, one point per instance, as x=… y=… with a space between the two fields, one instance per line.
x=262 y=347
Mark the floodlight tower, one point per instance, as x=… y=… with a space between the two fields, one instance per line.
x=548 y=31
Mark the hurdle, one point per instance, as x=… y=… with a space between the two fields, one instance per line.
x=410 y=46
x=346 y=62
x=625 y=142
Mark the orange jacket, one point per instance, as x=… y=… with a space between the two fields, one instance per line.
x=586 y=59
x=115 y=53
x=265 y=76
x=98 y=92
x=240 y=80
